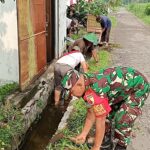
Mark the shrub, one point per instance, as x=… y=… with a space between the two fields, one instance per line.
x=11 y=125
x=147 y=9
x=6 y=90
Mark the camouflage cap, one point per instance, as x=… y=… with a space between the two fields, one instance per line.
x=70 y=79
x=91 y=37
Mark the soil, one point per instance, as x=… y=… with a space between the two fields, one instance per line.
x=133 y=36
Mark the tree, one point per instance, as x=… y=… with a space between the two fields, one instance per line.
x=2 y=1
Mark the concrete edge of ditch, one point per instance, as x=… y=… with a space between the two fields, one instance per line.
x=63 y=123
x=36 y=103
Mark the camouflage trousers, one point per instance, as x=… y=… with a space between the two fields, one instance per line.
x=128 y=110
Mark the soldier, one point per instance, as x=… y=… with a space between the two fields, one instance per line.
x=122 y=87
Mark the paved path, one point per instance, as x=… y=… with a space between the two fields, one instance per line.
x=134 y=40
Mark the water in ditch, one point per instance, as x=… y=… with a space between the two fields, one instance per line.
x=40 y=133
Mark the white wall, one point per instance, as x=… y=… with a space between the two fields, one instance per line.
x=9 y=66
x=60 y=28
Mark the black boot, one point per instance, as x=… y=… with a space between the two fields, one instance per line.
x=119 y=147
x=107 y=142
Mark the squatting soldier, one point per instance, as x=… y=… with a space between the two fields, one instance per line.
x=124 y=87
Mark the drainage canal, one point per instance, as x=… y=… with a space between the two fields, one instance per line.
x=40 y=133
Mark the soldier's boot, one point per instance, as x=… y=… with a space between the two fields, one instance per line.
x=107 y=142
x=119 y=147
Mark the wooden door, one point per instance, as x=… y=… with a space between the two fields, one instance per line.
x=32 y=39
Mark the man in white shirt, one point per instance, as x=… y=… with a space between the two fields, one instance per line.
x=68 y=61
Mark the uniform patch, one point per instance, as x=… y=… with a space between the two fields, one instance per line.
x=90 y=99
x=99 y=110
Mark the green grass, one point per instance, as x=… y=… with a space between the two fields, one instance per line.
x=11 y=125
x=75 y=125
x=81 y=33
x=7 y=89
x=139 y=10
x=113 y=21
x=104 y=61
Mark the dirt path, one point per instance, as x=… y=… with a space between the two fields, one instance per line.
x=134 y=40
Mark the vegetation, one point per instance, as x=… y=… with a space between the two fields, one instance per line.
x=7 y=89
x=75 y=125
x=104 y=57
x=144 y=12
x=147 y=9
x=126 y=2
x=11 y=125
x=96 y=7
x=3 y=1
x=113 y=20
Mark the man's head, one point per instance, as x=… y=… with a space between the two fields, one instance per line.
x=74 y=82
x=91 y=38
x=98 y=18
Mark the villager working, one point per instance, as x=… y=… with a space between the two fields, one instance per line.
x=106 y=27
x=68 y=61
x=72 y=26
x=122 y=88
x=87 y=45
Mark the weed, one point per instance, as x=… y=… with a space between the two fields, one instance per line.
x=11 y=124
x=7 y=89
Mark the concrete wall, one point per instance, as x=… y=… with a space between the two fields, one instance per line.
x=60 y=15
x=9 y=66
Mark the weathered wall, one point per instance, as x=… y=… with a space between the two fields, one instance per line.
x=9 y=66
x=60 y=15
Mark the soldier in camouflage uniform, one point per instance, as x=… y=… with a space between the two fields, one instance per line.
x=121 y=87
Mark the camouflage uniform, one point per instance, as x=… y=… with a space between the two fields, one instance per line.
x=126 y=89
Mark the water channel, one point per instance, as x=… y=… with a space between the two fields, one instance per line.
x=38 y=136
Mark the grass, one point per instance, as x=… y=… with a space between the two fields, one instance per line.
x=75 y=125
x=11 y=125
x=7 y=89
x=104 y=60
x=113 y=21
x=134 y=8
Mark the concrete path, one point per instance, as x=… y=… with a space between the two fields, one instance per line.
x=134 y=40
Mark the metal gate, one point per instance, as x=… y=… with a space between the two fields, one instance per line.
x=32 y=39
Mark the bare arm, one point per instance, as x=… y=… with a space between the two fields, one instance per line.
x=84 y=66
x=100 y=130
x=90 y=119
x=94 y=54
